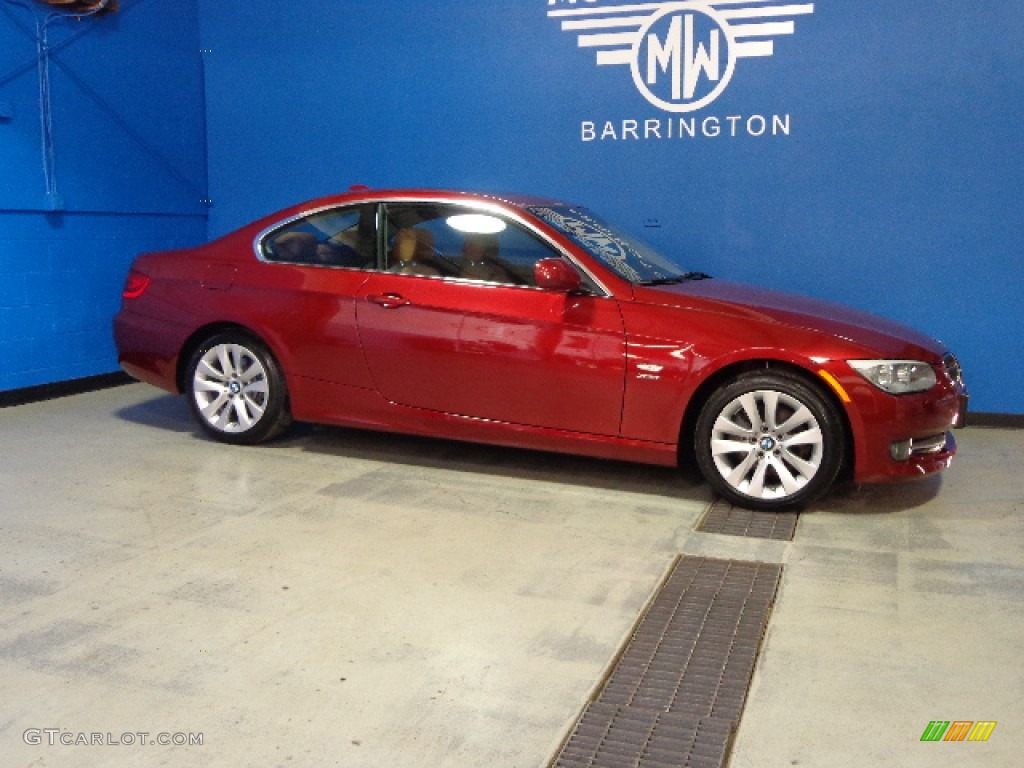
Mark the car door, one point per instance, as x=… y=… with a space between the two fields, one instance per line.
x=492 y=347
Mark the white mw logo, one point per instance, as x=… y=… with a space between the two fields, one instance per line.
x=682 y=54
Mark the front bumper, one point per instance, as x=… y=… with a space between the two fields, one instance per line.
x=900 y=437
x=922 y=456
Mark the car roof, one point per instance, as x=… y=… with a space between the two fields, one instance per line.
x=359 y=194
x=411 y=193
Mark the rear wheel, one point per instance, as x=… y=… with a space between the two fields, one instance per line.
x=236 y=390
x=769 y=441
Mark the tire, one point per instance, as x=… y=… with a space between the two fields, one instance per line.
x=769 y=441
x=236 y=390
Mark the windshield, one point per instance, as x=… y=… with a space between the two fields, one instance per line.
x=627 y=256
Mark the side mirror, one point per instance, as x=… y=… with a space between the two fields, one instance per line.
x=556 y=275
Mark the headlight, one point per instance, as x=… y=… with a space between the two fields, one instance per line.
x=897 y=377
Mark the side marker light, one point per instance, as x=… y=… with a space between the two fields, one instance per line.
x=836 y=386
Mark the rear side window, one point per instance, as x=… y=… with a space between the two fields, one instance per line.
x=338 y=237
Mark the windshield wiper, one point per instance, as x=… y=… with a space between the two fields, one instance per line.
x=676 y=279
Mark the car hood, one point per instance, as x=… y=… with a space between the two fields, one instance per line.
x=876 y=335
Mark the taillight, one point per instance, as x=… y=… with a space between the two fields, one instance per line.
x=135 y=285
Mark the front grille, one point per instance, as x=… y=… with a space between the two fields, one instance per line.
x=953 y=370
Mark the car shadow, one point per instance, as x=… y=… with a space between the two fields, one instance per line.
x=165 y=412
x=881 y=499
x=171 y=413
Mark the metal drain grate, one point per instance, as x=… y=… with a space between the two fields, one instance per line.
x=723 y=517
x=675 y=694
x=667 y=739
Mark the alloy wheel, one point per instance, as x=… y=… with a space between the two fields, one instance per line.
x=230 y=387
x=767 y=444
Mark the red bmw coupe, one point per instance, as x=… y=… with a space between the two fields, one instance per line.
x=533 y=323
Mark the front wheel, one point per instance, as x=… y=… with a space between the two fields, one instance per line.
x=769 y=441
x=236 y=390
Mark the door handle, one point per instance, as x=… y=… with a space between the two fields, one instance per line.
x=389 y=300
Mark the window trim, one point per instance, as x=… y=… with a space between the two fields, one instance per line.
x=514 y=214
x=258 y=241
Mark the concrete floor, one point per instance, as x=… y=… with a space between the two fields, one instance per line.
x=358 y=599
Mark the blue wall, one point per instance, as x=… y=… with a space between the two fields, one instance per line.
x=897 y=188
x=129 y=155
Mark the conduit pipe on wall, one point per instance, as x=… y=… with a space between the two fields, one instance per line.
x=78 y=10
x=83 y=7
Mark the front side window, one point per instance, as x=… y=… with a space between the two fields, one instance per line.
x=439 y=240
x=338 y=237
